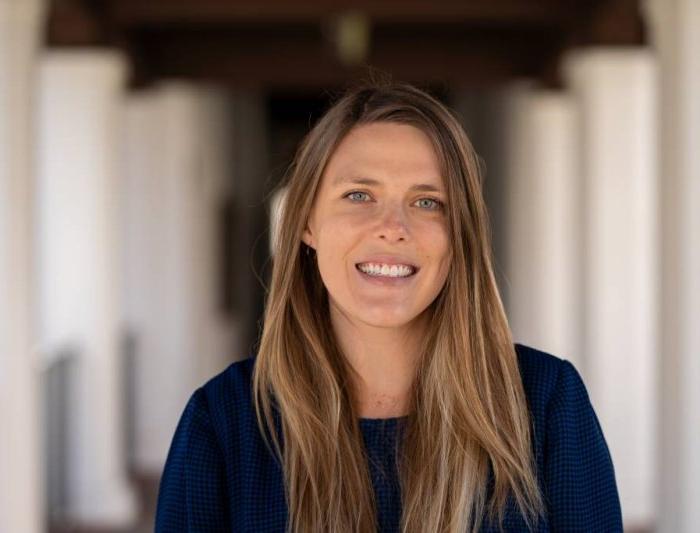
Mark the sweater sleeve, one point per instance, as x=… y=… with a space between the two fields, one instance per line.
x=192 y=493
x=579 y=476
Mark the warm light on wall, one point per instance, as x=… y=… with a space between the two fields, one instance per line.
x=349 y=32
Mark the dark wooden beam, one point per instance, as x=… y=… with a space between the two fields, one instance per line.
x=605 y=23
x=149 y=12
x=286 y=43
x=299 y=56
x=75 y=23
x=612 y=23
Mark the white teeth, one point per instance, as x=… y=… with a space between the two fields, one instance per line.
x=391 y=271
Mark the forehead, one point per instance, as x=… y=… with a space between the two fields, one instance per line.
x=384 y=151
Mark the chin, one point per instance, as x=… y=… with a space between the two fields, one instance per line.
x=387 y=319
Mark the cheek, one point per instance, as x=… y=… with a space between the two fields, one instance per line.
x=436 y=242
x=336 y=240
x=437 y=247
x=333 y=237
x=339 y=233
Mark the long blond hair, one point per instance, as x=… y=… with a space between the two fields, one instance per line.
x=468 y=425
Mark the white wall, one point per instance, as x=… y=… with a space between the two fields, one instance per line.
x=177 y=174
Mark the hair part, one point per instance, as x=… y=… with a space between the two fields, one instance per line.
x=466 y=448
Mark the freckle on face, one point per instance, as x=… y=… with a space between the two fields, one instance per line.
x=390 y=222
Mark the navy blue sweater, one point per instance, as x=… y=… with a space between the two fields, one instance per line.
x=219 y=476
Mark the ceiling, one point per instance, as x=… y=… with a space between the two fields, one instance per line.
x=282 y=44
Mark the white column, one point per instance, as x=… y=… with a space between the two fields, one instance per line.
x=543 y=242
x=178 y=176
x=675 y=33
x=615 y=92
x=80 y=111
x=21 y=491
x=215 y=176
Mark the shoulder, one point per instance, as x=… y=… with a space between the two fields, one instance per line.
x=554 y=389
x=542 y=373
x=228 y=393
x=572 y=453
x=215 y=405
x=552 y=384
x=235 y=378
x=193 y=486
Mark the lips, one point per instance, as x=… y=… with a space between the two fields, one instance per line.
x=389 y=260
x=376 y=269
x=387 y=270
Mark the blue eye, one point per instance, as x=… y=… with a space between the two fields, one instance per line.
x=432 y=203
x=353 y=196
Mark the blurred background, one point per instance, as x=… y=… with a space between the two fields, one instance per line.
x=140 y=142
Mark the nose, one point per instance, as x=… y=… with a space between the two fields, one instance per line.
x=393 y=226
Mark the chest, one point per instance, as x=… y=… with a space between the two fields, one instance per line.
x=256 y=491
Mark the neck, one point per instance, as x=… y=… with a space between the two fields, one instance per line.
x=383 y=362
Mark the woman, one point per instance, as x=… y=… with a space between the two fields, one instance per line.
x=386 y=393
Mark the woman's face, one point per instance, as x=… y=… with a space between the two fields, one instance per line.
x=379 y=225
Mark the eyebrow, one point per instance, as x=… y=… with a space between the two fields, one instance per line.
x=424 y=187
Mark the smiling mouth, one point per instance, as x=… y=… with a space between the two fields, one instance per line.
x=382 y=270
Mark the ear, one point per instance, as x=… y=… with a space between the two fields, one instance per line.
x=307 y=236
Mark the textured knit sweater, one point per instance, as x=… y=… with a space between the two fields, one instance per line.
x=220 y=476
